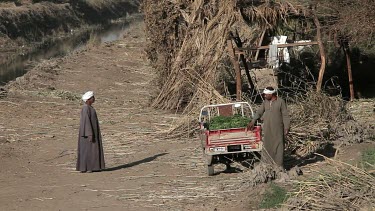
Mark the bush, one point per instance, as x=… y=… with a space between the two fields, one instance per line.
x=274 y=197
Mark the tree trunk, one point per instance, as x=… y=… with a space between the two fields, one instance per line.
x=239 y=44
x=349 y=66
x=322 y=53
x=236 y=66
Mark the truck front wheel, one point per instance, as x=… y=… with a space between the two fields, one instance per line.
x=209 y=159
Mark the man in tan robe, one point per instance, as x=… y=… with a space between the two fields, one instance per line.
x=276 y=125
x=90 y=155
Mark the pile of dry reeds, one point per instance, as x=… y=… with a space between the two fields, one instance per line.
x=311 y=115
x=340 y=187
x=188 y=42
x=187 y=61
x=192 y=73
x=188 y=48
x=318 y=119
x=351 y=131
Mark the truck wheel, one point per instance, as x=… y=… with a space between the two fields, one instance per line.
x=210 y=170
x=202 y=145
x=203 y=140
x=209 y=159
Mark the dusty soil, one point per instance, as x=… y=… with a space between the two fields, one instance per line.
x=146 y=171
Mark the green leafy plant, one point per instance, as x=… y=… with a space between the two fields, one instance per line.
x=368 y=159
x=273 y=197
x=226 y=122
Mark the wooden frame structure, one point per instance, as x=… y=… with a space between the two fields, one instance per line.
x=234 y=52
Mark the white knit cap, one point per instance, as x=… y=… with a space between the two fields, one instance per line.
x=87 y=95
x=267 y=91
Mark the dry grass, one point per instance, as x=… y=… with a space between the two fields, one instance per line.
x=358 y=29
x=339 y=187
x=311 y=115
x=318 y=120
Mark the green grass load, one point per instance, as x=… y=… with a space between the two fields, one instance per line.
x=227 y=122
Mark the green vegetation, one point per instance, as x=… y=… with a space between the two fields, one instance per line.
x=66 y=95
x=368 y=159
x=226 y=122
x=273 y=197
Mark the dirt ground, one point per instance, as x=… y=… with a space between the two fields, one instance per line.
x=39 y=128
x=145 y=171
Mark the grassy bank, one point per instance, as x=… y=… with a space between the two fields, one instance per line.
x=23 y=26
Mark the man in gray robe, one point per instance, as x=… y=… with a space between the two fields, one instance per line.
x=276 y=125
x=90 y=155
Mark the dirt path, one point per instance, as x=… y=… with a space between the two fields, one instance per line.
x=145 y=172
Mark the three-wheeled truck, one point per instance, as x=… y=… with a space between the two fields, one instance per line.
x=229 y=144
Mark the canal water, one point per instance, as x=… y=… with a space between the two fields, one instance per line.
x=59 y=47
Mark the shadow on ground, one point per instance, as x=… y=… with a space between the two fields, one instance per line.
x=328 y=151
x=231 y=170
x=128 y=165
